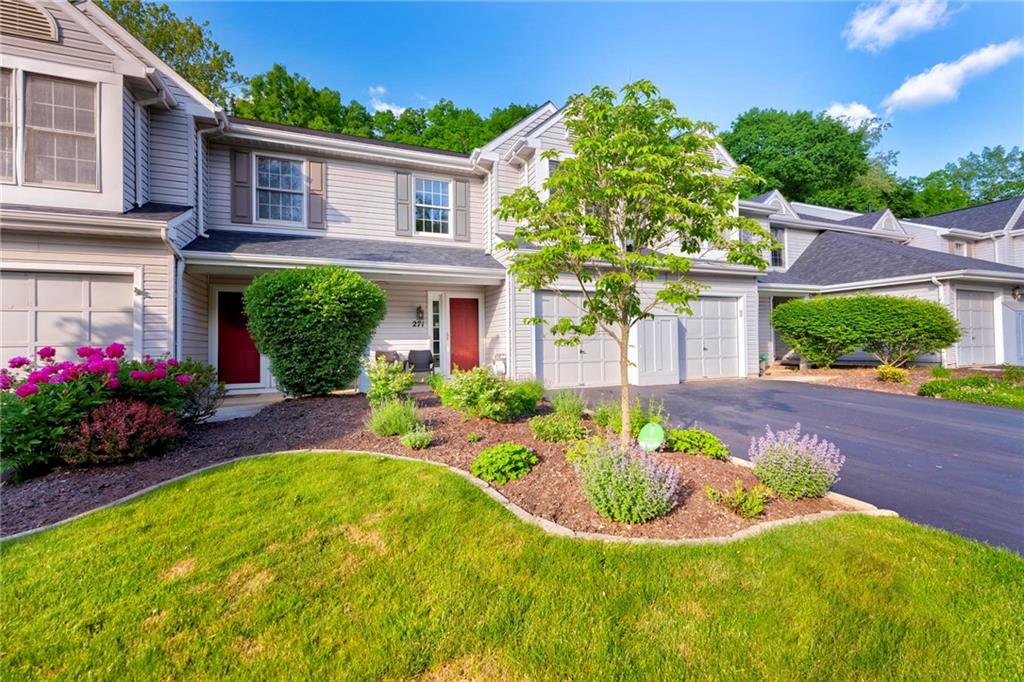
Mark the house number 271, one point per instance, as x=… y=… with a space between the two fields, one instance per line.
x=417 y=323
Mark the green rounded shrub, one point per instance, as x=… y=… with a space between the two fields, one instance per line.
x=393 y=418
x=816 y=329
x=481 y=393
x=557 y=428
x=893 y=375
x=696 y=442
x=503 y=463
x=388 y=380
x=314 y=324
x=419 y=438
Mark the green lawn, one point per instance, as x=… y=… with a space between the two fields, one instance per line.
x=316 y=566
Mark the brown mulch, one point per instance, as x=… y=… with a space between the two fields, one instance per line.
x=550 y=490
x=863 y=378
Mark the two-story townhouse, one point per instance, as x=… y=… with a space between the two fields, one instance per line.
x=963 y=260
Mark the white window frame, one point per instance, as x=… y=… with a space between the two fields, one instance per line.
x=21 y=131
x=450 y=234
x=304 y=222
x=782 y=250
x=266 y=382
x=13 y=180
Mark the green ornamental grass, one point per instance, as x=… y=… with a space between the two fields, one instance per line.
x=393 y=418
x=334 y=566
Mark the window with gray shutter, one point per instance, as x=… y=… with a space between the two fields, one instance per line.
x=403 y=204
x=317 y=188
x=6 y=125
x=461 y=211
x=241 y=187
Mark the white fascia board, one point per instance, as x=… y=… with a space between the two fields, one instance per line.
x=492 y=275
x=362 y=151
x=986 y=275
x=847 y=212
x=12 y=218
x=747 y=206
x=968 y=234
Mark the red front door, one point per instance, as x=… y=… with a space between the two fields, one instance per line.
x=464 y=321
x=238 y=361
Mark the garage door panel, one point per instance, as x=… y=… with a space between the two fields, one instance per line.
x=65 y=326
x=55 y=292
x=592 y=362
x=16 y=290
x=15 y=326
x=976 y=315
x=105 y=328
x=711 y=339
x=109 y=292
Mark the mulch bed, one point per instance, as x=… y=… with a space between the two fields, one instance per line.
x=550 y=490
x=864 y=378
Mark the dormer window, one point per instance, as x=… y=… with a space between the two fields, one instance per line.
x=60 y=132
x=779 y=254
x=960 y=248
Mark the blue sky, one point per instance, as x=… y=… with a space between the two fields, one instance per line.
x=713 y=60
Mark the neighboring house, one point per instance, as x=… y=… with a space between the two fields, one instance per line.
x=134 y=209
x=971 y=260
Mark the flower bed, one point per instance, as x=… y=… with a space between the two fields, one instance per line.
x=550 y=490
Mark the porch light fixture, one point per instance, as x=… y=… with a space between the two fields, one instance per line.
x=1016 y=293
x=419 y=313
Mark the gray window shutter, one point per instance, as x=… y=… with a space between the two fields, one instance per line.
x=317 y=181
x=241 y=187
x=461 y=211
x=403 y=204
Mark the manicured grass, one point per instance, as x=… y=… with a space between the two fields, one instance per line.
x=977 y=389
x=328 y=566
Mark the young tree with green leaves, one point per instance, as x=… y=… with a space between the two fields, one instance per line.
x=640 y=196
x=186 y=46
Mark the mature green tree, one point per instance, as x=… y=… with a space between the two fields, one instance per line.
x=993 y=174
x=800 y=153
x=938 y=192
x=281 y=97
x=637 y=199
x=503 y=118
x=186 y=46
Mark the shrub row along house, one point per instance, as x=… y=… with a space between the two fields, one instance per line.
x=135 y=210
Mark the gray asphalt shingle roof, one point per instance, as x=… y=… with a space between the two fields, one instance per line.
x=864 y=219
x=841 y=258
x=148 y=211
x=984 y=218
x=411 y=252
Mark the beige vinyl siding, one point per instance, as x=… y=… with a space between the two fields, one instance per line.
x=926 y=238
x=195 y=307
x=153 y=258
x=128 y=116
x=985 y=249
x=360 y=201
x=396 y=331
x=509 y=180
x=496 y=323
x=1017 y=251
x=76 y=47
x=797 y=242
x=555 y=137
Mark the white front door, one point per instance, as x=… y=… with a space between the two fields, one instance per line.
x=594 y=362
x=975 y=311
x=711 y=339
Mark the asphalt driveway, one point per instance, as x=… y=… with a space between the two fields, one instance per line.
x=951 y=465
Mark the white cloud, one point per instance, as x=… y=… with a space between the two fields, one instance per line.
x=942 y=82
x=874 y=27
x=853 y=114
x=377 y=92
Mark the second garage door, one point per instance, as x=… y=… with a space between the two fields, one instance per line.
x=974 y=310
x=64 y=310
x=595 y=362
x=711 y=339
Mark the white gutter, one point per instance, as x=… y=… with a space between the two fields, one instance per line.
x=222 y=124
x=116 y=225
x=982 y=275
x=778 y=219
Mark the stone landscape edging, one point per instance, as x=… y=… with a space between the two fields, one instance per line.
x=860 y=507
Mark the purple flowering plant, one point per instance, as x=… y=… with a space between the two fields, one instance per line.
x=628 y=485
x=795 y=465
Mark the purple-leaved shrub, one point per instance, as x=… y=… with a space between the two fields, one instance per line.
x=629 y=486
x=795 y=466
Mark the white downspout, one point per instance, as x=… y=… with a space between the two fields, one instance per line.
x=222 y=124
x=942 y=301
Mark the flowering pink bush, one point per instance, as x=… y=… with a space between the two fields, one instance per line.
x=119 y=431
x=795 y=466
x=43 y=401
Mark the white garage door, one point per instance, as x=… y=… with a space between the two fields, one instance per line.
x=974 y=310
x=711 y=339
x=595 y=362
x=63 y=310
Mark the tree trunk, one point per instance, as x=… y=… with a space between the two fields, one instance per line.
x=624 y=385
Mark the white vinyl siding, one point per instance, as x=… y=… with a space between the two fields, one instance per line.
x=76 y=47
x=797 y=242
x=60 y=132
x=195 y=305
x=130 y=142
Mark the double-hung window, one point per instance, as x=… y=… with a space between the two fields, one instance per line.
x=60 y=132
x=779 y=253
x=433 y=206
x=6 y=125
x=280 y=190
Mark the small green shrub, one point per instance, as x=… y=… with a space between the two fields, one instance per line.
x=388 y=380
x=976 y=388
x=393 y=418
x=503 y=463
x=1013 y=373
x=582 y=449
x=557 y=428
x=313 y=323
x=480 y=393
x=628 y=486
x=939 y=372
x=418 y=438
x=794 y=465
x=696 y=442
x=436 y=382
x=568 y=402
x=608 y=415
x=474 y=437
x=740 y=501
x=893 y=375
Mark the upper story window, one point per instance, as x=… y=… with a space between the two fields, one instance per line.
x=6 y=125
x=280 y=190
x=960 y=248
x=433 y=206
x=779 y=254
x=60 y=132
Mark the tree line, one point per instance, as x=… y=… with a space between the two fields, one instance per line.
x=808 y=156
